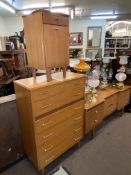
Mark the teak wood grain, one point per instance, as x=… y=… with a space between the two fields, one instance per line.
x=47 y=135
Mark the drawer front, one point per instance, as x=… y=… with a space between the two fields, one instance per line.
x=55 y=135
x=45 y=159
x=59 y=116
x=89 y=121
x=68 y=87
x=98 y=113
x=55 y=19
x=94 y=117
x=123 y=99
x=110 y=105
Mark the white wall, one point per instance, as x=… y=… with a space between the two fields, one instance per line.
x=81 y=26
x=2 y=26
x=12 y=25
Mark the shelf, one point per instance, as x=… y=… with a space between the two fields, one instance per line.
x=113 y=38
x=118 y=48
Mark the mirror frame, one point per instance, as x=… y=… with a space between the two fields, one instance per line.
x=92 y=27
x=76 y=44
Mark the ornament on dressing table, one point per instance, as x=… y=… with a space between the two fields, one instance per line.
x=121 y=75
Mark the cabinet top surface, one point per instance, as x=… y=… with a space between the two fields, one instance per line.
x=103 y=94
x=41 y=81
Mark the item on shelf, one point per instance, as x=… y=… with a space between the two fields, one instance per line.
x=104 y=74
x=121 y=76
x=82 y=66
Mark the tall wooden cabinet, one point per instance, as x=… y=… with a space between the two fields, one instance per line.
x=47 y=39
x=51 y=115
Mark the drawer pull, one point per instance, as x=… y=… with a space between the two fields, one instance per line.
x=96 y=111
x=96 y=121
x=110 y=105
x=43 y=107
x=48 y=149
x=45 y=137
x=78 y=94
x=78 y=118
x=77 y=139
x=77 y=129
x=77 y=108
x=50 y=159
x=44 y=124
x=43 y=93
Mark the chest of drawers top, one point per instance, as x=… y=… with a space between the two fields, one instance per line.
x=32 y=84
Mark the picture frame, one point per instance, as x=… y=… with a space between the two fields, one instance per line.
x=76 y=39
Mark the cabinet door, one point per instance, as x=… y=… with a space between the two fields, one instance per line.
x=56 y=45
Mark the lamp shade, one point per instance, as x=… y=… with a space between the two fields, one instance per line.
x=93 y=83
x=82 y=66
x=123 y=60
x=121 y=76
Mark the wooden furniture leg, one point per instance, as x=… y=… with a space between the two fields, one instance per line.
x=64 y=72
x=93 y=133
x=48 y=72
x=43 y=172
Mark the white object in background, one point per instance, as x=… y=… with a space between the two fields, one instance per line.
x=61 y=171
x=106 y=60
x=123 y=60
x=93 y=83
x=121 y=76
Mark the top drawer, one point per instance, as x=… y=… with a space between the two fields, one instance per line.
x=55 y=19
x=50 y=91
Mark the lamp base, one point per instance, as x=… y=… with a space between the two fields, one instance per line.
x=120 y=85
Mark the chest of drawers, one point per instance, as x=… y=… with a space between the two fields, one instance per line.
x=51 y=116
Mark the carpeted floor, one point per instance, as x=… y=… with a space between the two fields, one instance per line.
x=109 y=153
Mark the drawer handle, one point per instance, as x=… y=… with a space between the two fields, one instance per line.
x=96 y=121
x=50 y=159
x=77 y=129
x=44 y=124
x=43 y=107
x=78 y=118
x=45 y=137
x=96 y=111
x=48 y=149
x=56 y=19
x=77 y=108
x=110 y=105
x=77 y=139
x=43 y=93
x=78 y=94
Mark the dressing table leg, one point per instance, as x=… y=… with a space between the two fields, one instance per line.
x=93 y=132
x=42 y=172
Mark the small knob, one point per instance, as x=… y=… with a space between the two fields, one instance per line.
x=96 y=121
